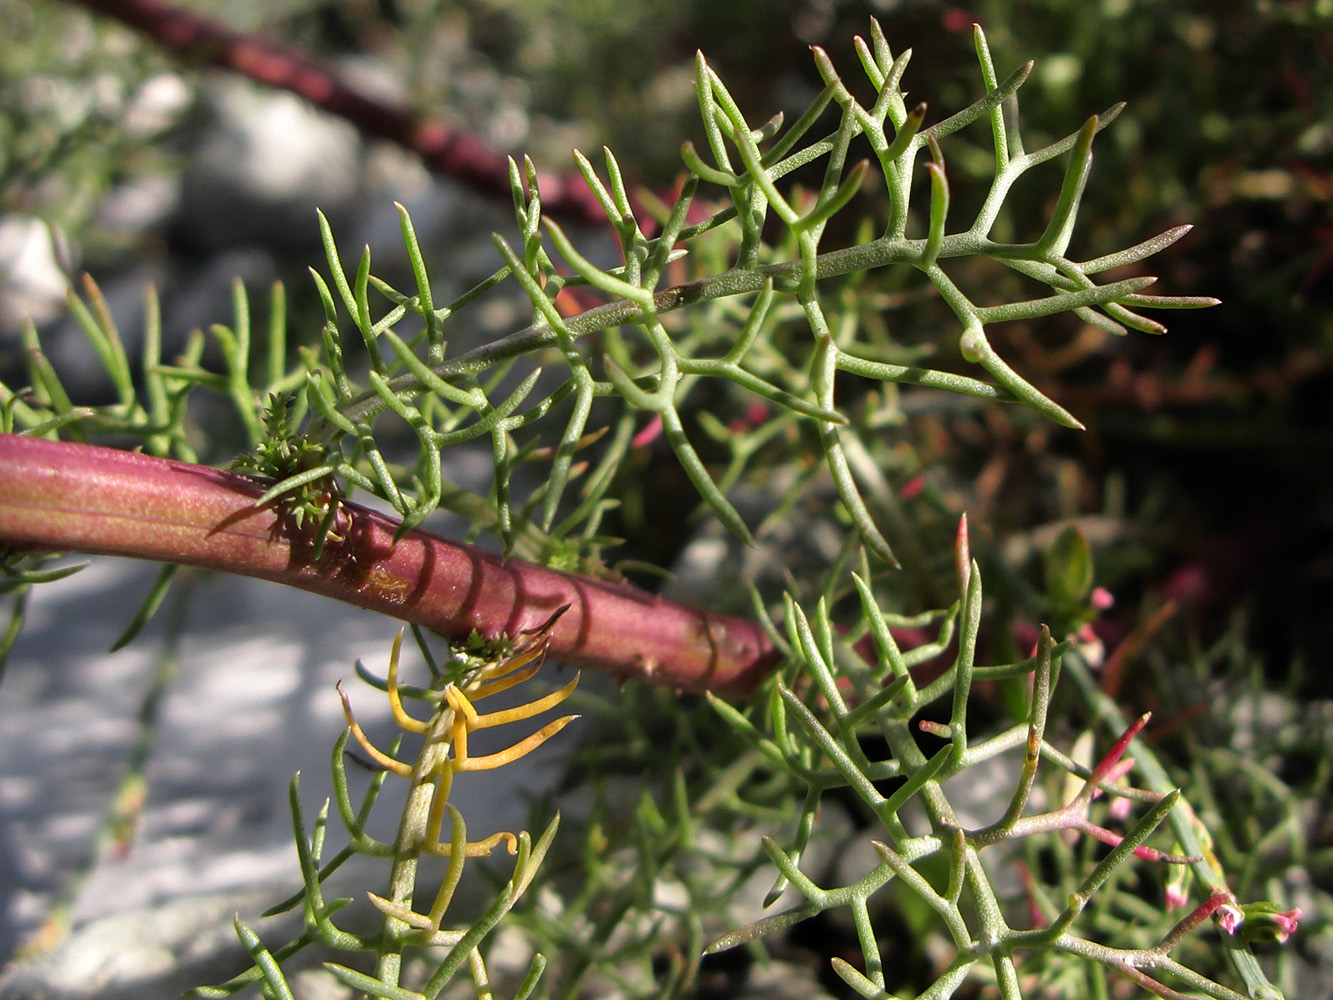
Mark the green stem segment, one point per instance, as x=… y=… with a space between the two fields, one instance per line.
x=65 y=496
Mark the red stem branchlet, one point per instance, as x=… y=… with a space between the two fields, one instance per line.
x=61 y=496
x=1073 y=815
x=1194 y=918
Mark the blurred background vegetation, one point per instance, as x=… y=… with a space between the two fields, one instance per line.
x=1205 y=479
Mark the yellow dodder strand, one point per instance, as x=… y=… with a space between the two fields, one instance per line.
x=379 y=757
x=475 y=848
x=460 y=703
x=439 y=803
x=400 y=715
x=444 y=754
x=515 y=752
x=466 y=719
x=520 y=712
x=463 y=709
x=505 y=679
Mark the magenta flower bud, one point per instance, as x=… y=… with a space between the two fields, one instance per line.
x=1265 y=922
x=1176 y=895
x=1230 y=917
x=1287 y=922
x=1119 y=808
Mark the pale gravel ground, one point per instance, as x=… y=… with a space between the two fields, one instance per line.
x=253 y=702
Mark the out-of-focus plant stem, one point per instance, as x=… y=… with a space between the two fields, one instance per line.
x=452 y=152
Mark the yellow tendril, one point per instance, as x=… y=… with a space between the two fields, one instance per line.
x=466 y=721
x=506 y=675
x=381 y=758
x=448 y=730
x=521 y=712
x=518 y=750
x=400 y=715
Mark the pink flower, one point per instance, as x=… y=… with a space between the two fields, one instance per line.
x=1261 y=921
x=1176 y=895
x=1119 y=808
x=1090 y=646
x=1101 y=598
x=1230 y=918
x=957 y=20
x=1286 y=923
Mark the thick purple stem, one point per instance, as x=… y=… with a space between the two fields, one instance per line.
x=63 y=496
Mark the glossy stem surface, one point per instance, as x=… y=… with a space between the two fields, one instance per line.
x=60 y=496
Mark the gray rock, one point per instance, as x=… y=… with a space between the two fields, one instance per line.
x=265 y=163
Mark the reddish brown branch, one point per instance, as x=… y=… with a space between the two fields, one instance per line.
x=445 y=150
x=62 y=496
